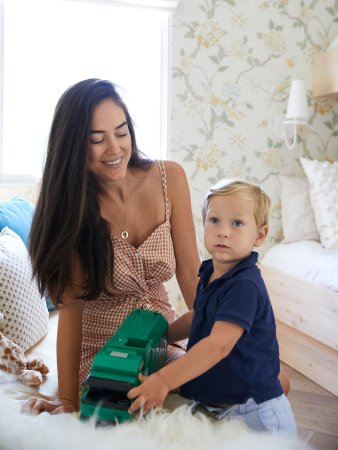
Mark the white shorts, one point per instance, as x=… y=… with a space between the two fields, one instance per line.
x=274 y=415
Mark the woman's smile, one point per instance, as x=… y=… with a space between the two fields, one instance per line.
x=113 y=162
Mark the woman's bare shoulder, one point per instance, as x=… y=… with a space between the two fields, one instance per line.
x=178 y=186
x=173 y=168
x=176 y=176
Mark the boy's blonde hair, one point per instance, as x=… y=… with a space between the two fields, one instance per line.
x=249 y=191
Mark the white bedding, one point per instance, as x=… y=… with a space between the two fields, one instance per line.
x=307 y=260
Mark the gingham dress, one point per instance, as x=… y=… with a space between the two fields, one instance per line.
x=138 y=277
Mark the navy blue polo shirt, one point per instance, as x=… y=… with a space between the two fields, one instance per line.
x=251 y=369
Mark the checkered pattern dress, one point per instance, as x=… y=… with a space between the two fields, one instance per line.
x=139 y=274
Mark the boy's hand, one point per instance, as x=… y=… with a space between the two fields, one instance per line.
x=151 y=393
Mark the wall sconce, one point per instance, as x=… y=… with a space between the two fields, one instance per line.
x=297 y=112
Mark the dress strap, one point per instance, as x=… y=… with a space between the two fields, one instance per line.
x=164 y=184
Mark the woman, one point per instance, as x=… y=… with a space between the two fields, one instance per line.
x=110 y=228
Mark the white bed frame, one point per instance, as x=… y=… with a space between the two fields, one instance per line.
x=307 y=326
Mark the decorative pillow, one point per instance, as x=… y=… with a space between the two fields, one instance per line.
x=323 y=181
x=17 y=214
x=298 y=219
x=24 y=310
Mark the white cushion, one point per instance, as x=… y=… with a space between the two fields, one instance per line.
x=307 y=260
x=298 y=219
x=24 y=310
x=323 y=180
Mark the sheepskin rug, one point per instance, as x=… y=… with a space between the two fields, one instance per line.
x=175 y=428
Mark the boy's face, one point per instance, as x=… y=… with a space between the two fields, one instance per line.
x=230 y=230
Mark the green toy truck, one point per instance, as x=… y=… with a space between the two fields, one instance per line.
x=139 y=345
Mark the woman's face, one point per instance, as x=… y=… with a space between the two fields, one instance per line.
x=109 y=142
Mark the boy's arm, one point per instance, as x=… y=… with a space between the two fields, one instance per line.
x=200 y=358
x=180 y=328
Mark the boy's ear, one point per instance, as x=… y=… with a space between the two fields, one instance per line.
x=261 y=235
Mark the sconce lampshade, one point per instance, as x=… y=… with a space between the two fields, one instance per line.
x=297 y=111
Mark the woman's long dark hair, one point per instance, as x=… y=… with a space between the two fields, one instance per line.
x=67 y=219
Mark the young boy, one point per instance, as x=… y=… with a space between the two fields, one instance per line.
x=232 y=362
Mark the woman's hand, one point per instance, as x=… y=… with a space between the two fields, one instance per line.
x=151 y=393
x=36 y=406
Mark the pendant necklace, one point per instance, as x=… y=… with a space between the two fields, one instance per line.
x=124 y=232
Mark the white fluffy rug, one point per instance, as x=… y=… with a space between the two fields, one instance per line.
x=167 y=431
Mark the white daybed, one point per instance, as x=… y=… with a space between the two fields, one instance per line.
x=301 y=274
x=305 y=302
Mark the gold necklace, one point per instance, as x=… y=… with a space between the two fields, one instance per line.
x=124 y=232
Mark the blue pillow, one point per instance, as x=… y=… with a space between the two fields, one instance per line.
x=49 y=303
x=17 y=214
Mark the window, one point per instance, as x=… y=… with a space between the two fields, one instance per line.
x=50 y=44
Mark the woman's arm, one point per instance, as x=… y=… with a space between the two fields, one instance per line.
x=183 y=232
x=284 y=381
x=68 y=351
x=69 y=338
x=180 y=328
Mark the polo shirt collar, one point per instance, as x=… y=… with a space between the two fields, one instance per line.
x=207 y=268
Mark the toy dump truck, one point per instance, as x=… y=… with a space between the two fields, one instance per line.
x=139 y=345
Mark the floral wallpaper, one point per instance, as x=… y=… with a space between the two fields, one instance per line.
x=232 y=65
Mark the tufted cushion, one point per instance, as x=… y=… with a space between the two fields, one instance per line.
x=323 y=180
x=25 y=312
